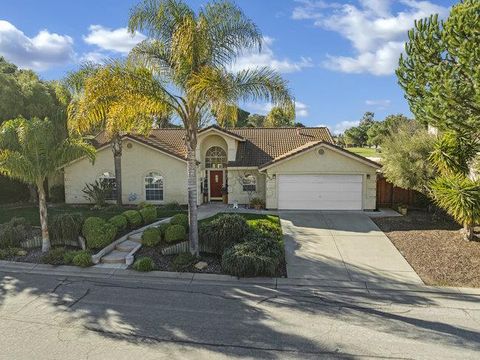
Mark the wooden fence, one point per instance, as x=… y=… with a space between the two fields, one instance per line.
x=389 y=195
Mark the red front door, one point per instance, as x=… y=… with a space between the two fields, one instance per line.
x=216 y=183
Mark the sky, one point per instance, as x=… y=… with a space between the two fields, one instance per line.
x=339 y=57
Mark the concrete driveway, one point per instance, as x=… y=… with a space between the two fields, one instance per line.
x=341 y=246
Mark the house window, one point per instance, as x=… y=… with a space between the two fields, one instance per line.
x=153 y=187
x=215 y=158
x=249 y=183
x=107 y=179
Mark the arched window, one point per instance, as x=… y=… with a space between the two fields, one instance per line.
x=107 y=179
x=249 y=183
x=215 y=158
x=153 y=187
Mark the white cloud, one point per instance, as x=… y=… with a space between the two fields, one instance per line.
x=344 y=125
x=253 y=59
x=380 y=103
x=376 y=33
x=97 y=57
x=301 y=109
x=116 y=40
x=39 y=53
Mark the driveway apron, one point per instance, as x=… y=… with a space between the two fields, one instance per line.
x=341 y=246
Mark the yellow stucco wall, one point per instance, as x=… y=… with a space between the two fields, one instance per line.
x=235 y=187
x=137 y=161
x=331 y=162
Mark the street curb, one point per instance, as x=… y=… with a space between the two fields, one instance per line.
x=218 y=279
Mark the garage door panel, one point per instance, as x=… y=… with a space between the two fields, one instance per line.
x=320 y=192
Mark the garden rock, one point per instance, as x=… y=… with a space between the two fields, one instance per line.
x=201 y=265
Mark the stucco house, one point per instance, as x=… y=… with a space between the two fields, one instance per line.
x=289 y=168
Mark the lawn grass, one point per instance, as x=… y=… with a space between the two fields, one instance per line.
x=31 y=214
x=365 y=151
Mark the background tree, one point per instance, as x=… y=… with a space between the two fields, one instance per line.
x=405 y=157
x=440 y=74
x=30 y=151
x=255 y=120
x=278 y=117
x=184 y=67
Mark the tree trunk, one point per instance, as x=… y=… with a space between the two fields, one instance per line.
x=191 y=140
x=117 y=160
x=42 y=205
x=468 y=232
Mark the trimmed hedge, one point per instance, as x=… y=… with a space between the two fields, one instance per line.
x=149 y=214
x=69 y=255
x=120 y=222
x=144 y=264
x=163 y=228
x=82 y=259
x=180 y=219
x=134 y=218
x=266 y=228
x=151 y=237
x=255 y=257
x=183 y=261
x=175 y=233
x=223 y=232
x=98 y=233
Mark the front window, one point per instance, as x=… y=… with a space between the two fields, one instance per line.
x=107 y=179
x=153 y=187
x=215 y=158
x=249 y=183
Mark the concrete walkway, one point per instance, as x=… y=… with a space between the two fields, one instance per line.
x=341 y=246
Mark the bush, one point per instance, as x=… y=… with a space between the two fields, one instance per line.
x=134 y=218
x=97 y=192
x=151 y=237
x=54 y=256
x=255 y=257
x=69 y=255
x=171 y=206
x=149 y=214
x=57 y=194
x=223 y=232
x=180 y=219
x=257 y=202
x=144 y=264
x=98 y=233
x=266 y=229
x=183 y=261
x=14 y=232
x=120 y=222
x=66 y=227
x=9 y=253
x=163 y=228
x=175 y=233
x=83 y=259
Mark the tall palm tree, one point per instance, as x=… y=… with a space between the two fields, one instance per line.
x=191 y=54
x=30 y=151
x=103 y=100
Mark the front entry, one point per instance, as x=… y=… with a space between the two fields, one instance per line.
x=216 y=184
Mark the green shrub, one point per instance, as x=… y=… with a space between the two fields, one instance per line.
x=83 y=259
x=97 y=192
x=180 y=219
x=57 y=194
x=255 y=257
x=223 y=232
x=257 y=202
x=171 y=206
x=163 y=228
x=9 y=253
x=98 y=233
x=151 y=237
x=183 y=261
x=134 y=218
x=175 y=233
x=266 y=228
x=144 y=264
x=149 y=214
x=66 y=227
x=14 y=232
x=69 y=255
x=54 y=256
x=120 y=222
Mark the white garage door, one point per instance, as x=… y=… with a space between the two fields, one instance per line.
x=320 y=192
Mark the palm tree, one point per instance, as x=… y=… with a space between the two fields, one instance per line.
x=102 y=100
x=191 y=55
x=31 y=150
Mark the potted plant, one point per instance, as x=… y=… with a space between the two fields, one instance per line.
x=225 y=195
x=257 y=203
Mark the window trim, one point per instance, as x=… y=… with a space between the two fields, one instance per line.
x=150 y=174
x=254 y=184
x=224 y=157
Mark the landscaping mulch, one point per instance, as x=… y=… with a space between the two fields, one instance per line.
x=435 y=247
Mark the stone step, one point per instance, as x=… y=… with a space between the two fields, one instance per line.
x=114 y=257
x=127 y=246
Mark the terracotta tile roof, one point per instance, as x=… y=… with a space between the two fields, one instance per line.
x=260 y=145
